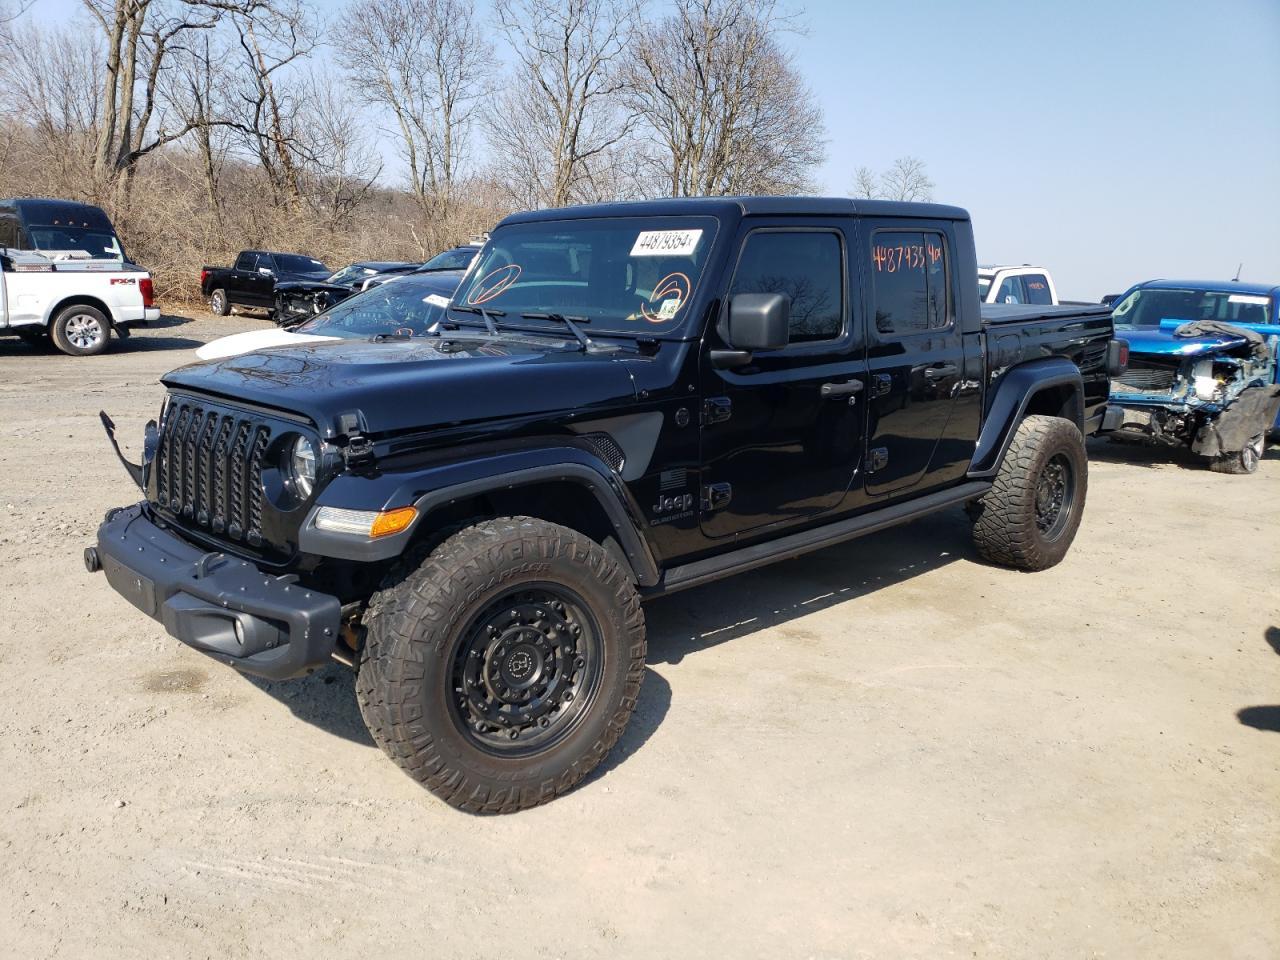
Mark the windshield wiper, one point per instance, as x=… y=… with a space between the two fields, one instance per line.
x=588 y=345
x=488 y=316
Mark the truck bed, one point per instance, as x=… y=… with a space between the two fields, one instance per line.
x=998 y=313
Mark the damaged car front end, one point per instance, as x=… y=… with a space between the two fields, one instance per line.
x=1202 y=371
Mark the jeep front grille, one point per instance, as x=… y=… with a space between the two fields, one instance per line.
x=208 y=469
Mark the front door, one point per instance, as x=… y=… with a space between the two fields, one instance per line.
x=782 y=435
x=915 y=354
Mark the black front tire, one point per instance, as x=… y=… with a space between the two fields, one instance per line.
x=81 y=331
x=1029 y=517
x=502 y=670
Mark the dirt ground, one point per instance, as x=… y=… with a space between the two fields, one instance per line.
x=886 y=749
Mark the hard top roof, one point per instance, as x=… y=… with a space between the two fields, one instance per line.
x=747 y=206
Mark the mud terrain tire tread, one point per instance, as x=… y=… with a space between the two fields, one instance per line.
x=1004 y=528
x=409 y=626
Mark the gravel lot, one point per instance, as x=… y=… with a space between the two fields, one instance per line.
x=886 y=749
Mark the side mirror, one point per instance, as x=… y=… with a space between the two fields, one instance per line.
x=265 y=271
x=759 y=321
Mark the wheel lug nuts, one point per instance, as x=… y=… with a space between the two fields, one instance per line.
x=544 y=722
x=513 y=733
x=579 y=662
x=568 y=696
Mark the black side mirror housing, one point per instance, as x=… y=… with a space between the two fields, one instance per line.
x=759 y=321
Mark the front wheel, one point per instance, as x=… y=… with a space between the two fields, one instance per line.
x=81 y=331
x=1242 y=461
x=1030 y=515
x=503 y=669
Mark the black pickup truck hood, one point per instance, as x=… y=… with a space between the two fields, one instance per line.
x=414 y=384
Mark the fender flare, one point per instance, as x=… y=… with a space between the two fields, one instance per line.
x=1013 y=395
x=83 y=299
x=437 y=486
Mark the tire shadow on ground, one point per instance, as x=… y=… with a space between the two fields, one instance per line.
x=1267 y=717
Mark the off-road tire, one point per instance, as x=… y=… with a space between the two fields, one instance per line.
x=1005 y=527
x=422 y=616
x=80 y=330
x=219 y=305
x=1242 y=462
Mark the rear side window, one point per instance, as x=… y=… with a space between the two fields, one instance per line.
x=1036 y=286
x=808 y=266
x=1011 y=291
x=9 y=232
x=911 y=292
x=247 y=261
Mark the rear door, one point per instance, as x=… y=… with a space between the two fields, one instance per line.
x=777 y=447
x=915 y=353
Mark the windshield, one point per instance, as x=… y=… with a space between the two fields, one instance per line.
x=292 y=263
x=404 y=305
x=99 y=244
x=352 y=275
x=1147 y=307
x=629 y=274
x=452 y=259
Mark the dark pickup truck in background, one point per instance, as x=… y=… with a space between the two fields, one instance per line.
x=252 y=281
x=296 y=300
x=620 y=401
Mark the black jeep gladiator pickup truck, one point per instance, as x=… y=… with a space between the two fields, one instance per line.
x=251 y=282
x=622 y=401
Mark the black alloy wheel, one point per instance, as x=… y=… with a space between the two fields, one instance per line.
x=526 y=669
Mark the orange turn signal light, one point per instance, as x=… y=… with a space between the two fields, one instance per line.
x=392 y=521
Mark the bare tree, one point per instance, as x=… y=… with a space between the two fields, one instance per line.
x=427 y=63
x=343 y=164
x=904 y=180
x=725 y=101
x=560 y=118
x=270 y=38
x=138 y=38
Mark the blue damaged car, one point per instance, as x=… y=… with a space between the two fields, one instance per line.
x=1202 y=370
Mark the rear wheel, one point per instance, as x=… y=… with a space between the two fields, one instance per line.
x=218 y=303
x=503 y=669
x=81 y=330
x=1242 y=461
x=1030 y=515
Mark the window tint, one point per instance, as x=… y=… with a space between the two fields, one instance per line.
x=808 y=268
x=247 y=261
x=1036 y=286
x=910 y=270
x=8 y=232
x=1011 y=291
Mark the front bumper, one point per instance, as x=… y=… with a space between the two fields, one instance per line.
x=221 y=605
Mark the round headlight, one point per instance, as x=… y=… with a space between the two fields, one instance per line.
x=302 y=466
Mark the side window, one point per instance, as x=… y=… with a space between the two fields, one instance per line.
x=808 y=267
x=9 y=232
x=1036 y=286
x=247 y=261
x=1011 y=291
x=911 y=290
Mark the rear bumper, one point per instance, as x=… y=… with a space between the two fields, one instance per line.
x=220 y=605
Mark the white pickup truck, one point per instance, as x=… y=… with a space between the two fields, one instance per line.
x=1020 y=283
x=76 y=302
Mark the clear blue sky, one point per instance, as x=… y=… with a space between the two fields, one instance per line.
x=1111 y=141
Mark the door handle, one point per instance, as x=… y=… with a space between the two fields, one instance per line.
x=941 y=371
x=841 y=389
